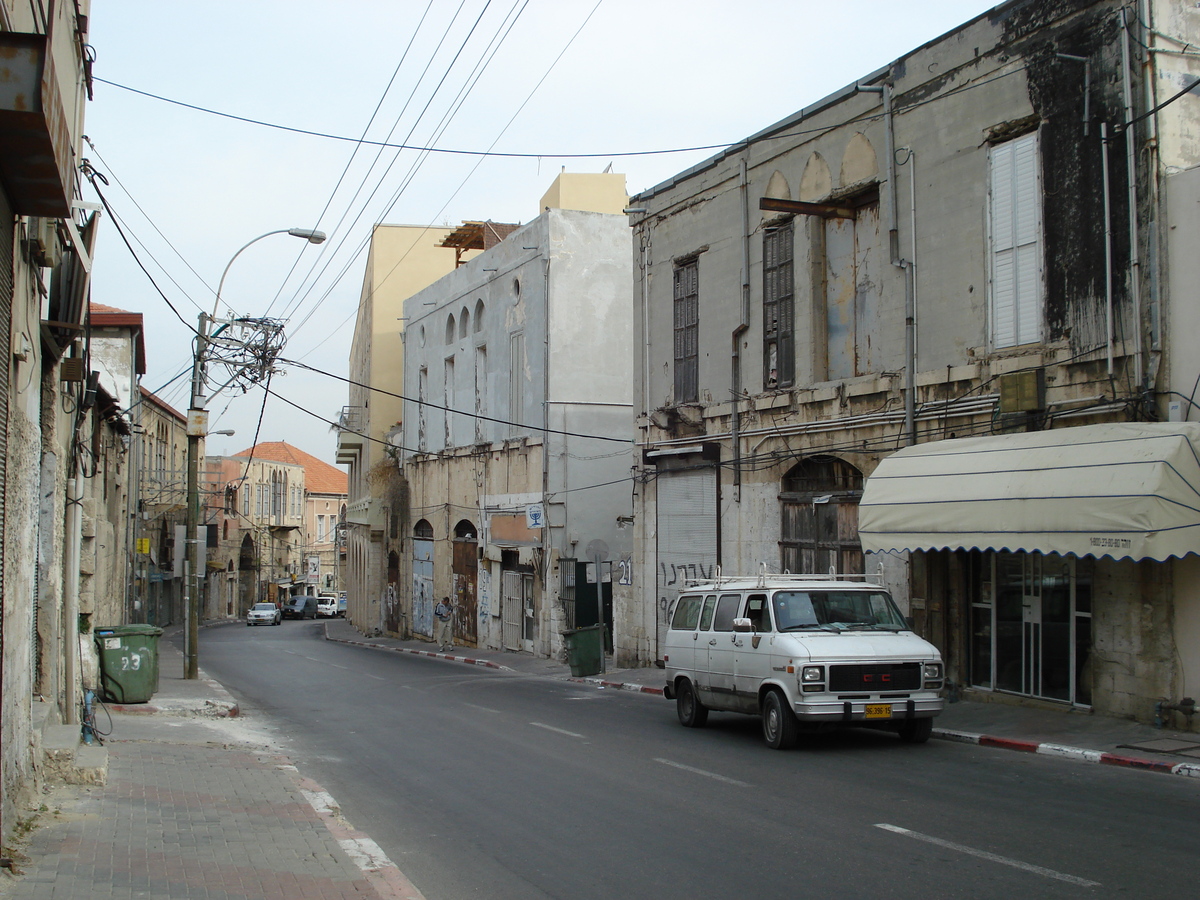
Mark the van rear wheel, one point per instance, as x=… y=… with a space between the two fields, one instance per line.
x=692 y=713
x=781 y=728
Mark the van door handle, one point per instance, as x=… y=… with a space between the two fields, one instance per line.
x=713 y=642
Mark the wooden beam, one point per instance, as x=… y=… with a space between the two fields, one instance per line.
x=824 y=210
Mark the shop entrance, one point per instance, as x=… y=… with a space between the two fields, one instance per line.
x=1031 y=625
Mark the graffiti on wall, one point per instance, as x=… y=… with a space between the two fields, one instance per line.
x=671 y=578
x=485 y=595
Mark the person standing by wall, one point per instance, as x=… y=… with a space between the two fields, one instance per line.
x=443 y=613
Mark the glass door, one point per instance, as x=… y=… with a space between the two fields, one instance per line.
x=1031 y=625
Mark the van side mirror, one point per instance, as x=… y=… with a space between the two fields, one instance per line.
x=742 y=625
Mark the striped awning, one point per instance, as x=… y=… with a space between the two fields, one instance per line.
x=1126 y=490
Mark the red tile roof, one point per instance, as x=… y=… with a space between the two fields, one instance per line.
x=319 y=476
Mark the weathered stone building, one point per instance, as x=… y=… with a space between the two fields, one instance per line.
x=515 y=443
x=44 y=270
x=989 y=236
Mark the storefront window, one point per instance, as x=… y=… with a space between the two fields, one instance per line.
x=1031 y=625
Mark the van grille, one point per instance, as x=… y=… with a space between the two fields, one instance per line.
x=876 y=677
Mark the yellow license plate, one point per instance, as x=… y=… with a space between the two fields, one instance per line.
x=879 y=710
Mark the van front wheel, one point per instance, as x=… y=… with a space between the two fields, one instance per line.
x=781 y=729
x=692 y=713
x=916 y=731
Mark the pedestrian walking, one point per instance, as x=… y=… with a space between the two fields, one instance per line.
x=444 y=613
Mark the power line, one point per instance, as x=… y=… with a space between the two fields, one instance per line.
x=451 y=409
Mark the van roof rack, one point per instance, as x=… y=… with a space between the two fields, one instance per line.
x=764 y=576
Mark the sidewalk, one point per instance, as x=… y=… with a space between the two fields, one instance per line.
x=198 y=803
x=1071 y=734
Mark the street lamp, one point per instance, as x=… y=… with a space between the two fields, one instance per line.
x=197 y=429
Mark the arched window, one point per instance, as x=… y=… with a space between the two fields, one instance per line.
x=478 y=323
x=423 y=530
x=450 y=329
x=465 y=531
x=464 y=323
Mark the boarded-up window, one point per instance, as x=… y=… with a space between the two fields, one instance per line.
x=779 y=321
x=687 y=332
x=819 y=506
x=516 y=382
x=1016 y=235
x=853 y=292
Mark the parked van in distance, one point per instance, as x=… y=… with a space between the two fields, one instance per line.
x=800 y=651
x=302 y=606
x=327 y=606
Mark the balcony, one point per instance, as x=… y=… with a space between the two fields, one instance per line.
x=352 y=423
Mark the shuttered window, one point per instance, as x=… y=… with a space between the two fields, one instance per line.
x=1016 y=235
x=687 y=332
x=779 y=321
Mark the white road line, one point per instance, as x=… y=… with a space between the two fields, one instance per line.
x=727 y=780
x=377 y=677
x=983 y=854
x=482 y=708
x=557 y=730
x=336 y=666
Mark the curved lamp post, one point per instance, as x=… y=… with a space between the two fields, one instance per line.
x=197 y=428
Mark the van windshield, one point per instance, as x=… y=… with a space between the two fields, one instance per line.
x=836 y=611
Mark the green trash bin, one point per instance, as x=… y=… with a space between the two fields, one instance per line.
x=128 y=662
x=584 y=646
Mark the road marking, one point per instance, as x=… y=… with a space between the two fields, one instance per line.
x=482 y=708
x=336 y=666
x=983 y=854
x=706 y=774
x=377 y=677
x=557 y=730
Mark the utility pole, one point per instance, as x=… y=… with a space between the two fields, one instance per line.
x=247 y=349
x=197 y=427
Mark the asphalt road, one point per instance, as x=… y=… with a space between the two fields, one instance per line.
x=480 y=783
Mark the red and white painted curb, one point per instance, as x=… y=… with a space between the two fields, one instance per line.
x=1188 y=770
x=382 y=874
x=416 y=652
x=619 y=685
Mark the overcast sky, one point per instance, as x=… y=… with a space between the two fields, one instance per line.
x=542 y=77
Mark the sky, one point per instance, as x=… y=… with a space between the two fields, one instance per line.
x=577 y=84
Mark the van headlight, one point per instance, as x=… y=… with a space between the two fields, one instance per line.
x=933 y=674
x=812 y=678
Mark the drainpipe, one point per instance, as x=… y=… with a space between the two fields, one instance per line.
x=1135 y=263
x=1108 y=236
x=910 y=330
x=742 y=327
x=74 y=536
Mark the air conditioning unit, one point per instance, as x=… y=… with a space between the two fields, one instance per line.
x=1023 y=391
x=42 y=246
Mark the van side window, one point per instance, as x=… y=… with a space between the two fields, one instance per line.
x=687 y=613
x=756 y=612
x=727 y=610
x=706 y=616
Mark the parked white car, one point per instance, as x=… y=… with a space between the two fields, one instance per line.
x=264 y=614
x=800 y=650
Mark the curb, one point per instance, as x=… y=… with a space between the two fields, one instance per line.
x=430 y=653
x=619 y=685
x=1188 y=770
x=380 y=872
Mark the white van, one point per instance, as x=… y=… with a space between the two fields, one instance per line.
x=800 y=650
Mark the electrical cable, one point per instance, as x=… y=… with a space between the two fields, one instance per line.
x=457 y=412
x=405 y=181
x=358 y=146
